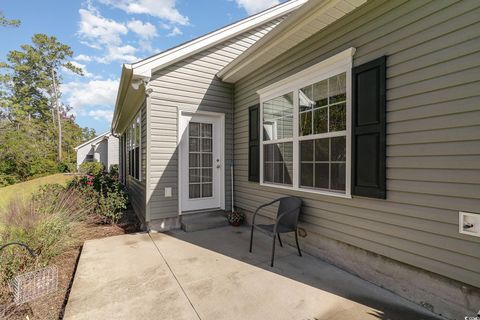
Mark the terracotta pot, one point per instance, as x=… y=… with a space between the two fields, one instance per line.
x=235 y=223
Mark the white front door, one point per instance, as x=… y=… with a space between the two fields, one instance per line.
x=201 y=161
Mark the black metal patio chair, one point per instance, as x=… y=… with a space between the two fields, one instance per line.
x=286 y=221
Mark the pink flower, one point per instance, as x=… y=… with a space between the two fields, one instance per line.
x=90 y=183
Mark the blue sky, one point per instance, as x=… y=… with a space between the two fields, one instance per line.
x=106 y=33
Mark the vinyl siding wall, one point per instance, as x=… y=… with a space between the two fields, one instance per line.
x=190 y=85
x=113 y=151
x=136 y=189
x=433 y=134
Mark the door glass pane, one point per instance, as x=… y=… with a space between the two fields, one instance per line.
x=194 y=160
x=194 y=145
x=207 y=175
x=206 y=130
x=206 y=145
x=207 y=160
x=194 y=175
x=194 y=191
x=206 y=190
x=200 y=160
x=194 y=129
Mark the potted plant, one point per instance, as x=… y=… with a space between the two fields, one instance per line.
x=236 y=218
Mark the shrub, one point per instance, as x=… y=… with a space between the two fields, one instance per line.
x=6 y=180
x=63 y=167
x=106 y=191
x=111 y=206
x=114 y=170
x=93 y=168
x=45 y=223
x=42 y=167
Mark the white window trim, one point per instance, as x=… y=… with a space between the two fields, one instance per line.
x=131 y=137
x=341 y=62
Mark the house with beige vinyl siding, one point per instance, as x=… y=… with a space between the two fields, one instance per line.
x=367 y=110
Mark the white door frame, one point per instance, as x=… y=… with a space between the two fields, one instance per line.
x=183 y=119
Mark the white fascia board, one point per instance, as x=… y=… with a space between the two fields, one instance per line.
x=146 y=67
x=263 y=48
x=92 y=140
x=125 y=80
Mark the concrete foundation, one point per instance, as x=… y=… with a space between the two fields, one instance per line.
x=443 y=296
x=162 y=225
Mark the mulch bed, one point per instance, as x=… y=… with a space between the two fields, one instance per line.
x=53 y=305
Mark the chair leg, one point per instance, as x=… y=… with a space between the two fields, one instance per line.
x=280 y=240
x=273 y=250
x=251 y=239
x=296 y=240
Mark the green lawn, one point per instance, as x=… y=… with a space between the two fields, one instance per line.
x=25 y=189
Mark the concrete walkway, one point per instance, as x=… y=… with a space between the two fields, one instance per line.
x=210 y=275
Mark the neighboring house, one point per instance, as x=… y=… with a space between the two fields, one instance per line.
x=370 y=113
x=103 y=148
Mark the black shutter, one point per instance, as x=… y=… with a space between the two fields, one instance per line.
x=137 y=163
x=369 y=129
x=254 y=143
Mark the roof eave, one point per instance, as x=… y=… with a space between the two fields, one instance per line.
x=246 y=62
x=148 y=66
x=92 y=140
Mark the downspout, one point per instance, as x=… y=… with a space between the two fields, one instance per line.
x=148 y=120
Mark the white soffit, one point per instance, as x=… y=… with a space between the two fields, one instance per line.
x=303 y=23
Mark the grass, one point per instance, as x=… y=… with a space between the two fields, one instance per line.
x=23 y=190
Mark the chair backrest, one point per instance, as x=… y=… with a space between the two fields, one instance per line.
x=286 y=204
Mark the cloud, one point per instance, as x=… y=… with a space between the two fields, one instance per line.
x=143 y=30
x=175 y=32
x=105 y=34
x=97 y=29
x=94 y=93
x=83 y=58
x=163 y=9
x=106 y=115
x=124 y=53
x=254 y=6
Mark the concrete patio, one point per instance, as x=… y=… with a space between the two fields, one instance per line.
x=210 y=275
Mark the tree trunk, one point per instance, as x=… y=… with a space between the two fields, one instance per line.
x=57 y=107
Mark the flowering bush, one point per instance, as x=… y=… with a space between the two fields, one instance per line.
x=109 y=194
x=93 y=168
